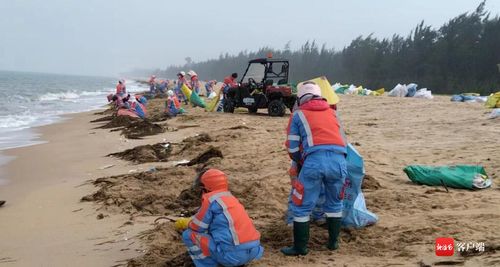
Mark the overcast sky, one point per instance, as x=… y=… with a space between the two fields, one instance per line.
x=105 y=37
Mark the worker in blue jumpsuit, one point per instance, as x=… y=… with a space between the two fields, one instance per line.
x=314 y=141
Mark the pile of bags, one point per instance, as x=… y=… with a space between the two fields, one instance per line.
x=353 y=90
x=410 y=90
x=469 y=98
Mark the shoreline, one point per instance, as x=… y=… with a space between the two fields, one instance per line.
x=43 y=219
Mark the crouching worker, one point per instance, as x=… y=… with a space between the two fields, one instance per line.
x=173 y=106
x=221 y=233
x=314 y=140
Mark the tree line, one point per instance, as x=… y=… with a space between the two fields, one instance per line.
x=463 y=55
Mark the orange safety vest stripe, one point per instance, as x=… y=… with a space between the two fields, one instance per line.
x=324 y=127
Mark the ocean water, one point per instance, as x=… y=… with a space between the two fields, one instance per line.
x=36 y=99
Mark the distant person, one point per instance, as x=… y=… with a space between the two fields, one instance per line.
x=124 y=85
x=221 y=232
x=194 y=83
x=152 y=84
x=230 y=82
x=120 y=88
x=209 y=86
x=181 y=80
x=139 y=106
x=314 y=141
x=120 y=101
x=172 y=106
x=162 y=86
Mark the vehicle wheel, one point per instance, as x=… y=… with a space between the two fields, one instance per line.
x=228 y=106
x=276 y=108
x=252 y=110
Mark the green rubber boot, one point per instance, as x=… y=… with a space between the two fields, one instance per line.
x=300 y=240
x=333 y=232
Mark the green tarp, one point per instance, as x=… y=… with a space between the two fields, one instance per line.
x=459 y=176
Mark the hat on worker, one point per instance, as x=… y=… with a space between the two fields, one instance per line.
x=192 y=73
x=308 y=88
x=213 y=180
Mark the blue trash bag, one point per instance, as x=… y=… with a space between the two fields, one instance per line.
x=355 y=213
x=412 y=89
x=468 y=98
x=457 y=98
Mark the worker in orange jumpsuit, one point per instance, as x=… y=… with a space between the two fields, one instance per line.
x=120 y=88
x=194 y=83
x=221 y=233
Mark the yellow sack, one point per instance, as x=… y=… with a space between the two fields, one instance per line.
x=493 y=100
x=182 y=224
x=378 y=92
x=212 y=105
x=326 y=89
x=359 y=90
x=186 y=91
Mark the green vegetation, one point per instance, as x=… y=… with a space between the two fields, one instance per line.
x=461 y=56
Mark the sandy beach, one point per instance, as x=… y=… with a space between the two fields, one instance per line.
x=45 y=224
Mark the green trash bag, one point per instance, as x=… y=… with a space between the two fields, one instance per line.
x=459 y=176
x=196 y=100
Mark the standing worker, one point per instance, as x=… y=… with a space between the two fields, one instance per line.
x=221 y=232
x=194 y=83
x=178 y=91
x=209 y=87
x=316 y=144
x=152 y=84
x=230 y=82
x=120 y=88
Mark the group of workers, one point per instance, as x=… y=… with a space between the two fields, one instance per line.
x=124 y=105
x=222 y=233
x=176 y=96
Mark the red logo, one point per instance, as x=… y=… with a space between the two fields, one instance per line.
x=445 y=246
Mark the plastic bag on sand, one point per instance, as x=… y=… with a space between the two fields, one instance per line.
x=469 y=98
x=366 y=91
x=459 y=176
x=336 y=86
x=378 y=92
x=495 y=113
x=351 y=90
x=457 y=98
x=481 y=99
x=212 y=95
x=399 y=91
x=424 y=93
x=493 y=100
x=412 y=89
x=355 y=213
